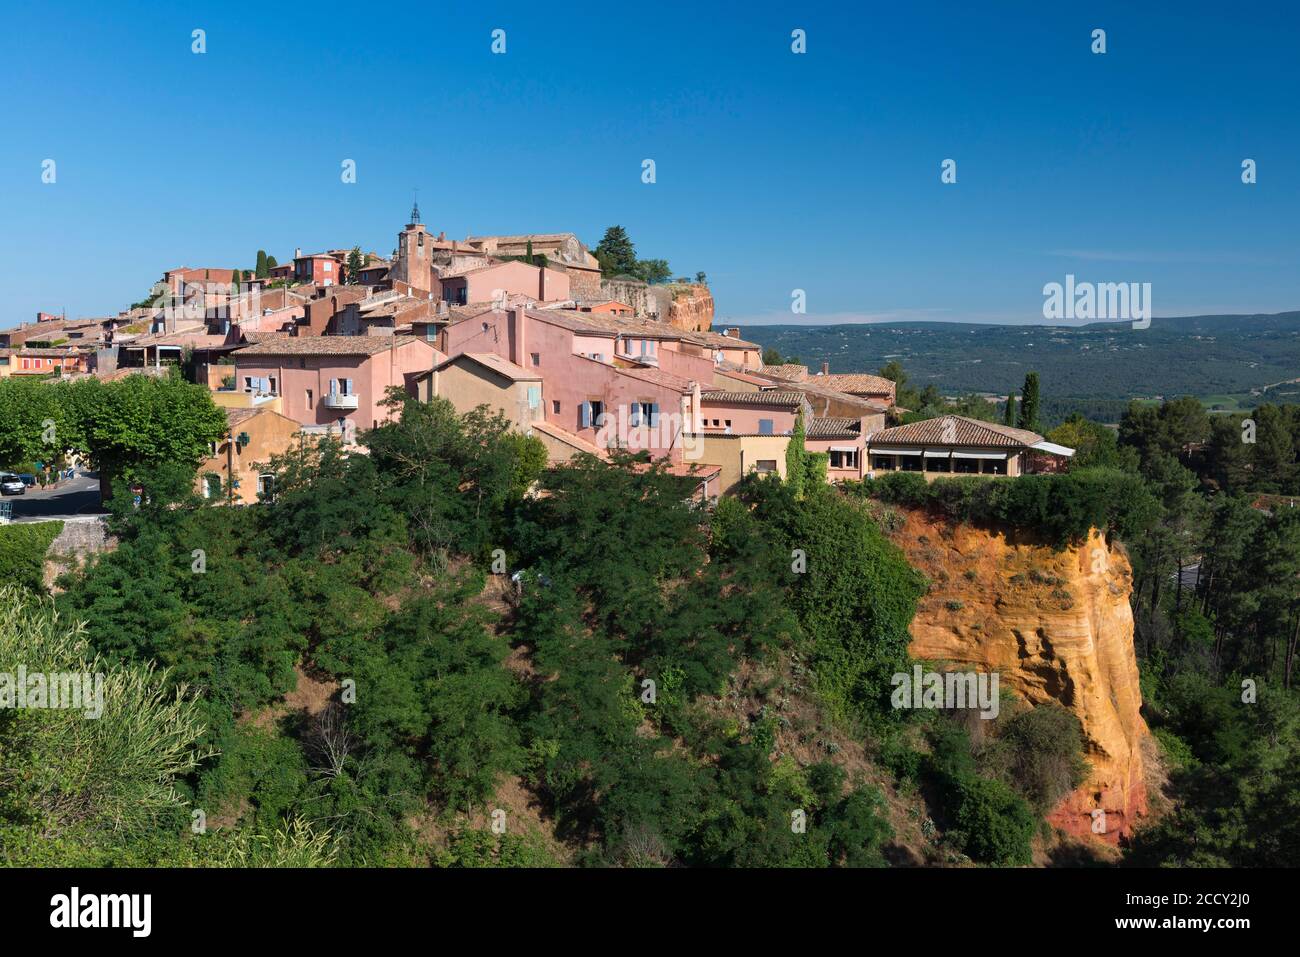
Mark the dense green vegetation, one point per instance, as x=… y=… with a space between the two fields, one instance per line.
x=350 y=675
x=22 y=552
x=399 y=650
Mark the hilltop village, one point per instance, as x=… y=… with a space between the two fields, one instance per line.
x=526 y=325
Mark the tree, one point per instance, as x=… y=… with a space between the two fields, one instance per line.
x=142 y=421
x=771 y=357
x=354 y=266
x=262 y=272
x=615 y=253
x=701 y=279
x=270 y=264
x=1009 y=410
x=1028 y=418
x=795 y=459
x=652 y=270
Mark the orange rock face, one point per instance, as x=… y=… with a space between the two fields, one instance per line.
x=1056 y=626
x=692 y=308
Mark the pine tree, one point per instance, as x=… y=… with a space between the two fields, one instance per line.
x=354 y=266
x=1029 y=403
x=616 y=254
x=1009 y=413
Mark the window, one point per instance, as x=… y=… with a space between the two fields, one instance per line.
x=212 y=485
x=534 y=396
x=645 y=412
x=763 y=466
x=537 y=359
x=329 y=267
x=265 y=483
x=271 y=387
x=555 y=406
x=727 y=423
x=309 y=405
x=937 y=465
x=764 y=426
x=844 y=458
x=590 y=413
x=994 y=466
x=882 y=463
x=910 y=463
x=965 y=466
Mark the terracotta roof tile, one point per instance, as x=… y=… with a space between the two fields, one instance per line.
x=956 y=430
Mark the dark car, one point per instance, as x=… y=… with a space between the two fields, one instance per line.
x=11 y=484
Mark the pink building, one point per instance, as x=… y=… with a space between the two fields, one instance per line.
x=594 y=390
x=323 y=269
x=324 y=380
x=491 y=282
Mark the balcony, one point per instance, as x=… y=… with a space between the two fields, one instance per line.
x=337 y=400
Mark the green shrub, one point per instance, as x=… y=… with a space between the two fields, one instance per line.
x=22 y=552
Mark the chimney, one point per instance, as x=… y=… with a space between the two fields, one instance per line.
x=518 y=320
x=297 y=253
x=826 y=368
x=732 y=332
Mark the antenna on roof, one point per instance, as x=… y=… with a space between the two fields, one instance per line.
x=415 y=208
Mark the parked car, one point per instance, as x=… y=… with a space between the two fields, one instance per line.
x=11 y=484
x=28 y=479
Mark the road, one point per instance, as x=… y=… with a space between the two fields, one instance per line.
x=76 y=497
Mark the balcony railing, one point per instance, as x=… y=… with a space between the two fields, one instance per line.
x=337 y=400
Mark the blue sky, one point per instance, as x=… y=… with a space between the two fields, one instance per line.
x=775 y=171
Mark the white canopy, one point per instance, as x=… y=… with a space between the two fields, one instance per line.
x=1053 y=448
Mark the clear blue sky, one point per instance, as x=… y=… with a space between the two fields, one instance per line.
x=775 y=171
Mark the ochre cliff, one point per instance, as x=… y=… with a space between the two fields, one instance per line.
x=691 y=308
x=1056 y=626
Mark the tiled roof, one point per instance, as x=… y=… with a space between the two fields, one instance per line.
x=788 y=371
x=490 y=360
x=857 y=382
x=325 y=346
x=833 y=427
x=956 y=430
x=237 y=417
x=791 y=400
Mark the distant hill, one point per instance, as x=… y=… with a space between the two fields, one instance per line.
x=1205 y=356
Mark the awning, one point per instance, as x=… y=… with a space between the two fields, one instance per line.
x=878 y=450
x=844 y=448
x=1053 y=448
x=932 y=454
x=998 y=456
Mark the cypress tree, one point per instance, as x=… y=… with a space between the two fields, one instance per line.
x=262 y=271
x=1029 y=403
x=795 y=469
x=1009 y=413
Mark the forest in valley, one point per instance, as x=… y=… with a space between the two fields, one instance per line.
x=443 y=653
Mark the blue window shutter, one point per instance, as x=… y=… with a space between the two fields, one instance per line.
x=764 y=426
x=654 y=413
x=586 y=415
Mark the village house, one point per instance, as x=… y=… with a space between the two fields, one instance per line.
x=32 y=361
x=339 y=380
x=234 y=471
x=498 y=279
x=957 y=445
x=472 y=379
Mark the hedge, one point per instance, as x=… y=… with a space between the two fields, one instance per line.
x=1062 y=507
x=22 y=552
